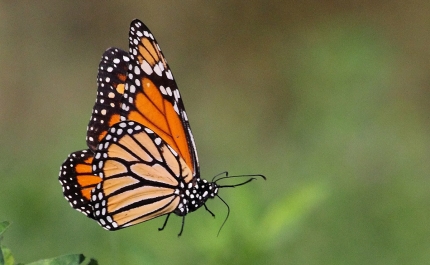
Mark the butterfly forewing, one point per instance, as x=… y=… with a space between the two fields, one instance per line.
x=78 y=180
x=110 y=81
x=141 y=175
x=151 y=96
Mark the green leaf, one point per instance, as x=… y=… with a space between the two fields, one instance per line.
x=7 y=256
x=3 y=226
x=71 y=259
x=93 y=262
x=1 y=256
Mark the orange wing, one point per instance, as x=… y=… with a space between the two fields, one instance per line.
x=78 y=180
x=76 y=174
x=141 y=176
x=152 y=98
x=110 y=81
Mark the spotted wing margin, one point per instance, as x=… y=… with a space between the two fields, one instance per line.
x=77 y=180
x=110 y=82
x=141 y=176
x=152 y=97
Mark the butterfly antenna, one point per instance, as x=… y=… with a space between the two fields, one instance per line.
x=228 y=214
x=222 y=173
x=240 y=176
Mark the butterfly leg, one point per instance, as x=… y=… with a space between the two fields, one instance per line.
x=182 y=226
x=209 y=210
x=165 y=223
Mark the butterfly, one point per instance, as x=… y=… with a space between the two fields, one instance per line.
x=141 y=161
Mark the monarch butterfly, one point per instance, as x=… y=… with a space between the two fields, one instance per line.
x=142 y=161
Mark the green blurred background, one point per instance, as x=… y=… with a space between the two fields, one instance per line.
x=328 y=99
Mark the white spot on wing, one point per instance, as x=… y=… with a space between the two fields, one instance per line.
x=132 y=89
x=157 y=70
x=146 y=67
x=136 y=70
x=176 y=93
x=175 y=107
x=163 y=90
x=169 y=91
x=169 y=74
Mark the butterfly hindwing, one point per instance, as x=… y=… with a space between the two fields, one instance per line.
x=141 y=174
x=77 y=179
x=152 y=98
x=110 y=81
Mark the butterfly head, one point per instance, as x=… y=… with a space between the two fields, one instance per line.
x=195 y=194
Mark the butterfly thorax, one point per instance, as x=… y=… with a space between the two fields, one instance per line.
x=194 y=194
